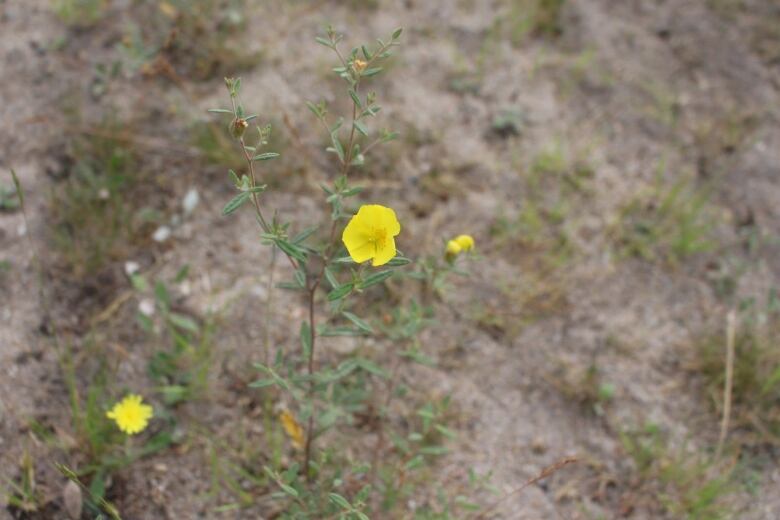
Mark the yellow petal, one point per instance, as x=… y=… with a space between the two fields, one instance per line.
x=385 y=254
x=356 y=240
x=453 y=248
x=390 y=222
x=466 y=242
x=371 y=215
x=361 y=253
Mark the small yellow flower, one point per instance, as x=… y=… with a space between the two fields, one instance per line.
x=359 y=65
x=454 y=248
x=466 y=242
x=130 y=414
x=370 y=234
x=293 y=429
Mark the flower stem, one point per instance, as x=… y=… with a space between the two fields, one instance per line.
x=313 y=338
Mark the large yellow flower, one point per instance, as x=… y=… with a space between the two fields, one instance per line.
x=369 y=235
x=130 y=414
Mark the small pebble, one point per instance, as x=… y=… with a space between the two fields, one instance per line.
x=161 y=234
x=146 y=307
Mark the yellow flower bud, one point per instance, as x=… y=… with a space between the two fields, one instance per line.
x=466 y=242
x=453 y=249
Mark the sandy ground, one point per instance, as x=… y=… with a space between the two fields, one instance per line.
x=629 y=88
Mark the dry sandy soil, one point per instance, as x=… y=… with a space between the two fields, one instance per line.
x=624 y=93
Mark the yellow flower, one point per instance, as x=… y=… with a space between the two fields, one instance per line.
x=130 y=414
x=453 y=248
x=466 y=242
x=292 y=428
x=369 y=234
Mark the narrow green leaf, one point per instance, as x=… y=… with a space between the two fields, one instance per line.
x=355 y=98
x=183 y=322
x=265 y=156
x=288 y=489
x=361 y=128
x=416 y=462
x=323 y=41
x=18 y=186
x=352 y=191
x=303 y=235
x=376 y=278
x=339 y=501
x=390 y=136
x=340 y=292
x=291 y=250
x=139 y=282
x=397 y=33
x=235 y=203
x=306 y=339
x=182 y=274
x=314 y=109
x=331 y=278
x=373 y=71
x=262 y=383
x=341 y=331
x=300 y=278
x=370 y=366
x=398 y=261
x=337 y=147
x=434 y=450
x=289 y=286
x=445 y=431
x=359 y=322
x=220 y=111
x=161 y=294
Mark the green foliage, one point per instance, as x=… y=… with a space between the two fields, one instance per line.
x=524 y=18
x=684 y=484
x=23 y=494
x=80 y=13
x=181 y=367
x=555 y=179
x=97 y=210
x=8 y=199
x=670 y=222
x=197 y=39
x=103 y=449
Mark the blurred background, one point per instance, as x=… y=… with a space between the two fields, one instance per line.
x=616 y=162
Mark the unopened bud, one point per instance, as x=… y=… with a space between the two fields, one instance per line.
x=237 y=127
x=452 y=251
x=359 y=65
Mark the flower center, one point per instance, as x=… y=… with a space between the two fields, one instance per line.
x=378 y=238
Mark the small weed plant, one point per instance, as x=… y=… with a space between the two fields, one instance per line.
x=340 y=269
x=755 y=386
